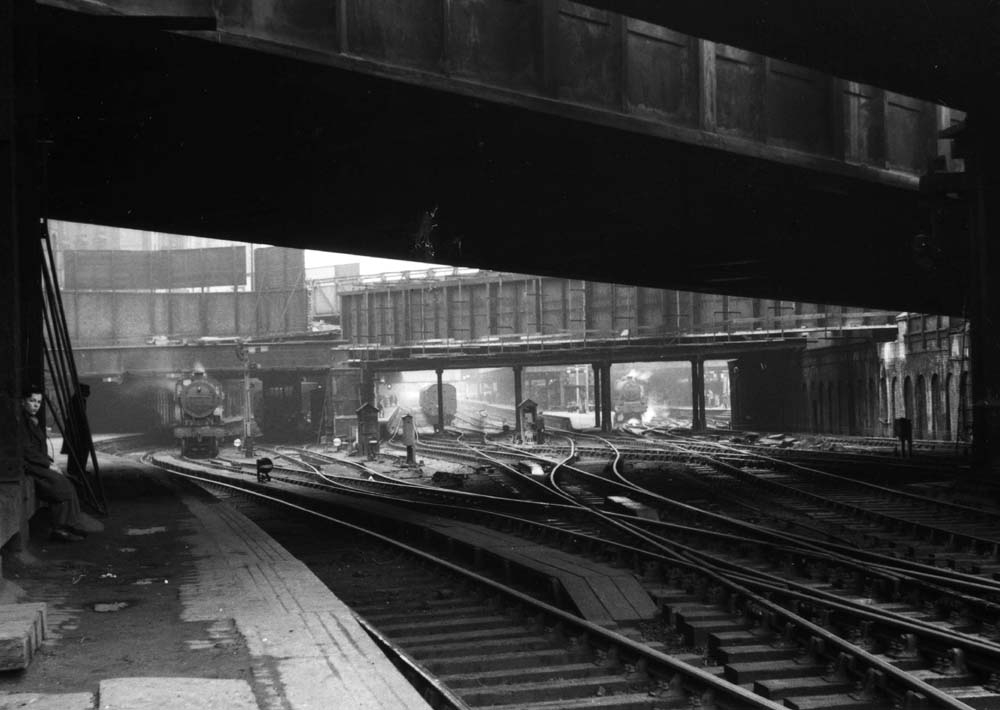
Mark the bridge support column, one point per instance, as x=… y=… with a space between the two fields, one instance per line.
x=440 y=395
x=367 y=395
x=607 y=411
x=983 y=165
x=20 y=211
x=697 y=394
x=518 y=398
x=599 y=385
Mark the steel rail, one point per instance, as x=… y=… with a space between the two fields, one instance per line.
x=726 y=695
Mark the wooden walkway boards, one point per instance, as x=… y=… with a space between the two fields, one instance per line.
x=602 y=594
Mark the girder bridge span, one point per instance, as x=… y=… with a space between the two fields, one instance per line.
x=599 y=354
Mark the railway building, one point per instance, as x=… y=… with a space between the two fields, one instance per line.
x=652 y=465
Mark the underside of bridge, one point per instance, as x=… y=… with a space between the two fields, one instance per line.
x=939 y=50
x=161 y=131
x=145 y=125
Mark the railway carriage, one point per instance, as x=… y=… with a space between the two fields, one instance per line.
x=429 y=403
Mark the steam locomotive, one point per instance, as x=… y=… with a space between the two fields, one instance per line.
x=630 y=399
x=429 y=403
x=200 y=427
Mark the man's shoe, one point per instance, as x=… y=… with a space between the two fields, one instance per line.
x=58 y=535
x=73 y=530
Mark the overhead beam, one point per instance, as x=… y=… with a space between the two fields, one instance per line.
x=939 y=50
x=249 y=145
x=408 y=361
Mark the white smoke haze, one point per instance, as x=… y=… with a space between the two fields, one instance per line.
x=136 y=386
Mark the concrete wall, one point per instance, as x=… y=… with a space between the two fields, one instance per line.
x=16 y=509
x=839 y=390
x=858 y=387
x=133 y=318
x=122 y=270
x=925 y=376
x=279 y=306
x=765 y=392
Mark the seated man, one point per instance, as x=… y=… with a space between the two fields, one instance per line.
x=51 y=484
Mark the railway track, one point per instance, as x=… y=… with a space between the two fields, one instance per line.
x=699 y=602
x=476 y=642
x=909 y=609
x=888 y=520
x=893 y=521
x=698 y=520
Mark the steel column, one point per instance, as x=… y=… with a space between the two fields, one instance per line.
x=983 y=163
x=607 y=419
x=697 y=394
x=599 y=414
x=367 y=393
x=440 y=398
x=518 y=398
x=20 y=285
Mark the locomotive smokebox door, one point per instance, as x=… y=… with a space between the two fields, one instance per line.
x=367 y=429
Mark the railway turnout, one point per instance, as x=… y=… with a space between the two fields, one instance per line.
x=750 y=588
x=530 y=568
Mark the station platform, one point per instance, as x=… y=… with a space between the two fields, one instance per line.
x=182 y=603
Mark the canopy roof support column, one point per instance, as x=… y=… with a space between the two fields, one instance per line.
x=607 y=416
x=600 y=414
x=983 y=164
x=440 y=397
x=518 y=398
x=20 y=211
x=697 y=394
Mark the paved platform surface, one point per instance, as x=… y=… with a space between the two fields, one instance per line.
x=182 y=602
